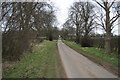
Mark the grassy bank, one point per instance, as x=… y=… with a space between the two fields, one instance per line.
x=108 y=61
x=44 y=62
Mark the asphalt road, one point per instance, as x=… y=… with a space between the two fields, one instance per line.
x=78 y=66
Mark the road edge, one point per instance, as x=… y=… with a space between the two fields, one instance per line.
x=61 y=62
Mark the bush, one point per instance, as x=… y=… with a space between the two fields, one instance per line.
x=86 y=42
x=100 y=42
x=15 y=43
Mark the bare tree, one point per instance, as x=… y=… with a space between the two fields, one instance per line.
x=82 y=15
x=69 y=30
x=109 y=21
x=75 y=17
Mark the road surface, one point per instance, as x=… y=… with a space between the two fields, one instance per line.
x=78 y=66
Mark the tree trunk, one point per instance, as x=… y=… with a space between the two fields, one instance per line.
x=50 y=36
x=77 y=38
x=108 y=33
x=77 y=35
x=107 y=44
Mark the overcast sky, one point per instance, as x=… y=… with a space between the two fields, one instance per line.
x=62 y=9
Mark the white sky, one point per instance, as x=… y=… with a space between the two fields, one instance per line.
x=62 y=9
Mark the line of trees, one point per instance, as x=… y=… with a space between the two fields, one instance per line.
x=84 y=17
x=23 y=23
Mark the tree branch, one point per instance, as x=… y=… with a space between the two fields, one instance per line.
x=99 y=4
x=112 y=4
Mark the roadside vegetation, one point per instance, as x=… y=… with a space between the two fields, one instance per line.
x=34 y=22
x=97 y=55
x=42 y=62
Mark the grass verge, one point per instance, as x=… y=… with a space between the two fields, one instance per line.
x=43 y=62
x=98 y=56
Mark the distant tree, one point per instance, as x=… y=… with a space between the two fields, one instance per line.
x=56 y=32
x=82 y=15
x=75 y=17
x=69 y=30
